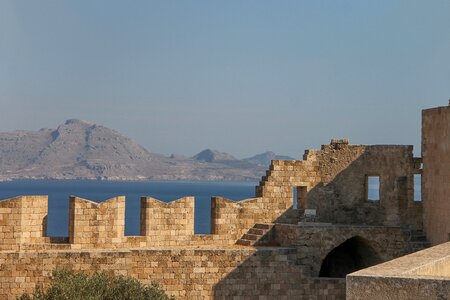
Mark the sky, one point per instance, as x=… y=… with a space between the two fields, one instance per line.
x=241 y=77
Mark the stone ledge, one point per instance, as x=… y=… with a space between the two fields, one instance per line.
x=411 y=265
x=421 y=275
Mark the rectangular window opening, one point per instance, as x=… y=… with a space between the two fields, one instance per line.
x=300 y=197
x=373 y=188
x=295 y=198
x=417 y=187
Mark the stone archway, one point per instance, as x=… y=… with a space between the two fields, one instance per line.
x=352 y=255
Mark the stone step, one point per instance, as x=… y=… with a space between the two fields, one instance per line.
x=251 y=237
x=256 y=234
x=257 y=231
x=263 y=226
x=243 y=242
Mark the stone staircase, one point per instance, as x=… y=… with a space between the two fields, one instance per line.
x=260 y=234
x=418 y=240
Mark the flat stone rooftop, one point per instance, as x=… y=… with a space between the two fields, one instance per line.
x=421 y=275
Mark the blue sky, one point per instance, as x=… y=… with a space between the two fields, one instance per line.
x=238 y=76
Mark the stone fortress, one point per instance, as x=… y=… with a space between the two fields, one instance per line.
x=312 y=222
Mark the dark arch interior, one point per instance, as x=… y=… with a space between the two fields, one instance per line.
x=352 y=255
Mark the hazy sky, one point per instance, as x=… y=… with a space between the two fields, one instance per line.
x=238 y=76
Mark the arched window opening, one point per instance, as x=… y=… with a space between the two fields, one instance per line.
x=350 y=256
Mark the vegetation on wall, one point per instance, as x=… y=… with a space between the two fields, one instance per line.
x=69 y=285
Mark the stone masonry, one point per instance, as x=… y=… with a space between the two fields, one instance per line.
x=260 y=248
x=436 y=173
x=421 y=275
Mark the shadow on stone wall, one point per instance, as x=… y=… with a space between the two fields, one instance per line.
x=341 y=196
x=274 y=273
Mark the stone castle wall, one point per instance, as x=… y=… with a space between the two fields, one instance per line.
x=184 y=273
x=335 y=178
x=213 y=266
x=436 y=173
x=101 y=225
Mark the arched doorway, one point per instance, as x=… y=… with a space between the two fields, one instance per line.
x=352 y=255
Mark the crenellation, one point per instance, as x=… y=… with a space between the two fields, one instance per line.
x=22 y=221
x=93 y=224
x=168 y=220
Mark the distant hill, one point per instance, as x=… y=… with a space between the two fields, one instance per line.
x=265 y=158
x=209 y=155
x=83 y=150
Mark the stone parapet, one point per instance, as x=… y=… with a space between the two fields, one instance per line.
x=93 y=224
x=167 y=220
x=23 y=220
x=421 y=275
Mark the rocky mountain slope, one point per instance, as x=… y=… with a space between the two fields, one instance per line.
x=83 y=150
x=265 y=158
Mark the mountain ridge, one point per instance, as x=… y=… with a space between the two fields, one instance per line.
x=79 y=149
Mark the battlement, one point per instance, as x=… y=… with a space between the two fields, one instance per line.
x=175 y=218
x=22 y=221
x=332 y=181
x=92 y=225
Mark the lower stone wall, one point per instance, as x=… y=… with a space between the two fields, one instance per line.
x=383 y=288
x=314 y=241
x=421 y=275
x=196 y=273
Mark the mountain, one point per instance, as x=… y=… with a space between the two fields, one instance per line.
x=209 y=155
x=83 y=150
x=76 y=149
x=265 y=158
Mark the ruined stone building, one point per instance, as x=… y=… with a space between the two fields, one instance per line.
x=425 y=274
x=313 y=221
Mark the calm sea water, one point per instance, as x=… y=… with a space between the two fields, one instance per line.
x=60 y=190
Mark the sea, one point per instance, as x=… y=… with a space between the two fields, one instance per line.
x=59 y=191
